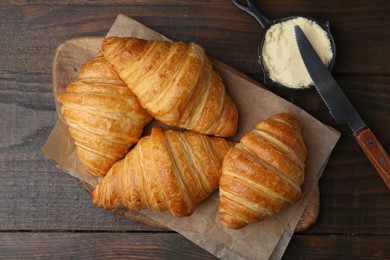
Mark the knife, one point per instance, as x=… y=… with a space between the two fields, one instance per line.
x=340 y=107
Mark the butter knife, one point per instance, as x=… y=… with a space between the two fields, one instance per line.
x=340 y=107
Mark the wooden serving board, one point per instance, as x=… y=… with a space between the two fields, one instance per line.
x=68 y=59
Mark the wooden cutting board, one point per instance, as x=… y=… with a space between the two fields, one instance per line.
x=67 y=62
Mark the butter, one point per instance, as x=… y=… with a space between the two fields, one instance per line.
x=280 y=54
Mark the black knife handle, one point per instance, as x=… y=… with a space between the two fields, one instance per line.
x=375 y=153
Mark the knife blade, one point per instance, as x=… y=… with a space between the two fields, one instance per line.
x=341 y=108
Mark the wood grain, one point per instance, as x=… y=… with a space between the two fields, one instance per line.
x=216 y=25
x=44 y=200
x=99 y=246
x=338 y=247
x=375 y=153
x=174 y=246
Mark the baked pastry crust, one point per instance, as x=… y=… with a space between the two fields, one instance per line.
x=105 y=119
x=175 y=82
x=167 y=170
x=263 y=173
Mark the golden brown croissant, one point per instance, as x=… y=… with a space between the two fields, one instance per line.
x=105 y=118
x=175 y=82
x=262 y=173
x=167 y=170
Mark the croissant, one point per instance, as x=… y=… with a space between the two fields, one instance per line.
x=263 y=173
x=167 y=170
x=104 y=117
x=175 y=82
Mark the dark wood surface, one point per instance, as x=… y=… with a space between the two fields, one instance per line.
x=45 y=213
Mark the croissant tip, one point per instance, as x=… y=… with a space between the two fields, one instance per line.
x=94 y=198
x=107 y=39
x=233 y=226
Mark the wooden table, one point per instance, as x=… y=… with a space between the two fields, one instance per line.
x=45 y=213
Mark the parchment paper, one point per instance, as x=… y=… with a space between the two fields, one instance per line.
x=264 y=240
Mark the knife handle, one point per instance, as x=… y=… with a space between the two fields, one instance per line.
x=375 y=153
